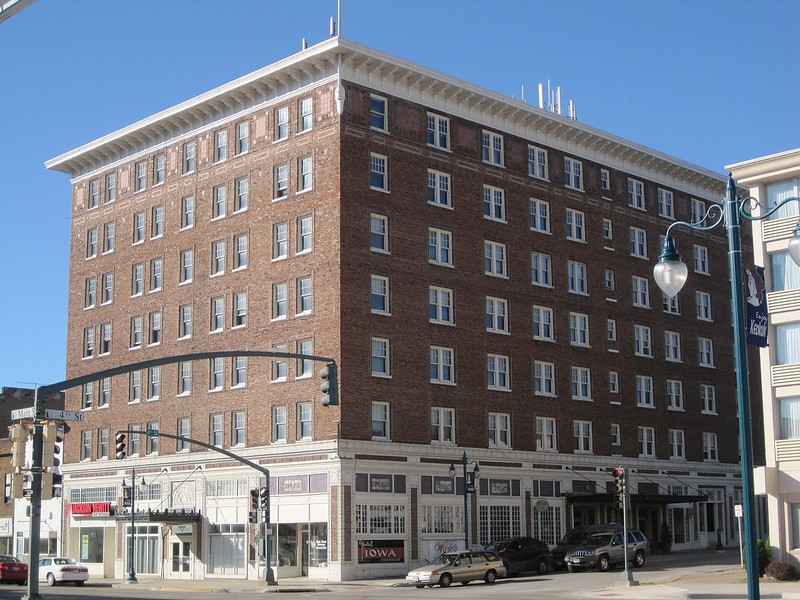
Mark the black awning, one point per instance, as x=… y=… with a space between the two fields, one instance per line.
x=596 y=498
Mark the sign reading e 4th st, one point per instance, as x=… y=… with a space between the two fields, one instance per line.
x=63 y=415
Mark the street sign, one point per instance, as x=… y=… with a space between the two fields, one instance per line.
x=63 y=415
x=23 y=413
x=737 y=510
x=151 y=432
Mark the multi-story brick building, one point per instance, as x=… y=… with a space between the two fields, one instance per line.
x=479 y=268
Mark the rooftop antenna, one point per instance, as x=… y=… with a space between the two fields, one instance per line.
x=551 y=101
x=303 y=44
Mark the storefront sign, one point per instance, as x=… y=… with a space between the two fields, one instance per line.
x=5 y=527
x=89 y=509
x=381 y=551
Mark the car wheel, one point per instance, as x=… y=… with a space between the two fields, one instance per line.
x=572 y=569
x=446 y=580
x=51 y=580
x=638 y=560
x=491 y=576
x=23 y=582
x=420 y=587
x=79 y=583
x=541 y=567
x=603 y=564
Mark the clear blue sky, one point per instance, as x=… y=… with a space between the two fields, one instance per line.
x=712 y=82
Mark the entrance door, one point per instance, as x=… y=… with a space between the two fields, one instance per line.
x=304 y=550
x=181 y=560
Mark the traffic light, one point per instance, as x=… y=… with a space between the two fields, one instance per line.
x=47 y=486
x=120 y=445
x=254 y=499
x=18 y=434
x=330 y=385
x=17 y=485
x=263 y=494
x=51 y=448
x=619 y=485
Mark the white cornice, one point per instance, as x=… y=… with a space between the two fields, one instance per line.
x=775 y=167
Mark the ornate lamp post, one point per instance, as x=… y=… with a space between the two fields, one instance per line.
x=670 y=275
x=469 y=487
x=131 y=489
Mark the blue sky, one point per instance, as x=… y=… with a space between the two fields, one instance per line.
x=712 y=82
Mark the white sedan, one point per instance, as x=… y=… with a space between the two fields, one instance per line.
x=62 y=570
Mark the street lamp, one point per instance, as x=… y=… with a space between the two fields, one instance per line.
x=132 y=539
x=469 y=487
x=670 y=275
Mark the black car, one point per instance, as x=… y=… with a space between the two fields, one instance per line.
x=521 y=554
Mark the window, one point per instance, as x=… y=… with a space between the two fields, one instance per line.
x=492 y=148
x=439 y=189
x=573 y=173
x=613 y=382
x=540 y=216
x=281 y=123
x=544 y=382
x=640 y=291
x=377 y=113
x=138 y=228
x=380 y=357
x=216 y=372
x=379 y=295
x=242 y=198
x=153 y=383
x=578 y=329
x=379 y=233
x=239 y=309
x=441 y=365
x=305 y=234
x=494 y=255
x=215 y=433
x=304 y=421
x=787 y=351
x=541 y=268
x=380 y=420
x=278 y=424
x=608 y=230
x=243 y=136
x=238 y=371
x=440 y=305
x=305 y=117
x=156 y=274
x=136 y=332
x=86 y=444
x=700 y=254
x=154 y=336
x=90 y=292
x=499 y=430
x=705 y=352
x=137 y=279
x=105 y=392
x=187 y=266
x=305 y=296
x=238 y=428
x=280 y=367
x=135 y=440
x=497 y=372
x=605 y=179
x=438 y=131
x=672 y=346
x=543 y=323
x=220 y=145
x=280 y=241
x=674 y=394
x=443 y=425
x=635 y=194
x=644 y=391
x=582 y=437
x=281 y=182
x=697 y=210
x=87 y=393
x=183 y=429
x=494 y=204
x=785 y=273
x=91 y=243
x=546 y=434
x=220 y=201
x=185 y=321
x=671 y=305
x=217 y=257
x=184 y=379
x=708 y=398
x=159 y=169
x=107 y=285
x=638 y=242
x=305 y=367
x=440 y=243
x=641 y=341
x=189 y=164
x=305 y=177
x=710 y=451
x=240 y=257
x=576 y=277
x=646 y=438
x=610 y=280
x=537 y=163
x=703 y=305
x=665 y=204
x=140 y=176
x=611 y=330
x=108 y=237
x=790 y=419
x=279 y=301
x=496 y=315
x=574 y=225
x=187 y=212
x=93 y=200
x=135 y=388
x=581 y=383
x=217 y=314
x=616 y=434
x=677 y=445
x=378 y=179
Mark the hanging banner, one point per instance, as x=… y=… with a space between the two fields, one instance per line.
x=756 y=306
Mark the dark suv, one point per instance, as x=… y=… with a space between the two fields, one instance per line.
x=577 y=537
x=521 y=554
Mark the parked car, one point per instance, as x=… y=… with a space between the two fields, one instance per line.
x=604 y=551
x=521 y=554
x=13 y=570
x=462 y=567
x=577 y=537
x=62 y=570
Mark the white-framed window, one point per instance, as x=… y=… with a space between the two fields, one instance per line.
x=575 y=229
x=136 y=331
x=90 y=293
x=543 y=323
x=441 y=365
x=378 y=172
x=189 y=160
x=184 y=321
x=241 y=200
x=610 y=280
x=440 y=305
x=642 y=341
x=573 y=173
x=443 y=421
x=305 y=367
x=581 y=383
x=638 y=239
x=184 y=379
x=140 y=176
x=577 y=277
x=156 y=274
x=496 y=315
x=111 y=188
x=240 y=251
x=677 y=444
x=703 y=300
x=608 y=230
x=611 y=330
x=492 y=147
x=708 y=399
x=91 y=242
x=159 y=169
x=107 y=288
x=635 y=194
x=154 y=335
x=305 y=173
x=239 y=309
x=605 y=179
x=280 y=241
x=305 y=114
x=675 y=395
x=666 y=207
x=377 y=113
x=439 y=189
x=280 y=366
x=544 y=378
x=380 y=357
x=88 y=342
x=217 y=313
x=280 y=183
x=616 y=434
x=670 y=304
x=440 y=247
x=109 y=237
x=494 y=254
x=281 y=123
x=578 y=329
x=541 y=269
x=138 y=227
x=537 y=163
x=217 y=257
x=220 y=145
x=104 y=398
x=499 y=430
x=305 y=234
x=215 y=432
x=305 y=428
x=153 y=383
x=238 y=428
x=700 y=255
x=646 y=438
x=582 y=437
x=86 y=444
x=187 y=212
x=697 y=210
x=242 y=137
x=93 y=200
x=546 y=439
x=305 y=295
x=105 y=338
x=280 y=300
x=613 y=382
x=640 y=291
x=710 y=449
x=279 y=421
x=540 y=216
x=438 y=134
x=379 y=233
x=379 y=295
x=705 y=352
x=672 y=346
x=494 y=203
x=184 y=429
x=497 y=372
x=187 y=266
x=134 y=392
x=219 y=202
x=380 y=421
x=137 y=279
x=644 y=391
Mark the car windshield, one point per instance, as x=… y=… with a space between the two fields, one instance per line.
x=498 y=546
x=445 y=559
x=64 y=561
x=599 y=540
x=573 y=537
x=8 y=559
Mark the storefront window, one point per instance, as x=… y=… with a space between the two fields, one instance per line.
x=227 y=553
x=318 y=545
x=147 y=540
x=286 y=555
